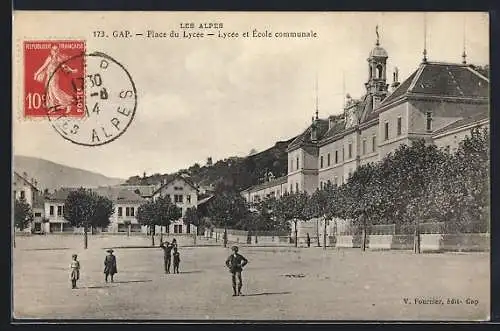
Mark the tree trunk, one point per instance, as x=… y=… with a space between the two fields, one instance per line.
x=225 y=236
x=161 y=233
x=195 y=235
x=128 y=230
x=317 y=233
x=152 y=235
x=324 y=233
x=85 y=238
x=296 y=235
x=416 y=240
x=363 y=239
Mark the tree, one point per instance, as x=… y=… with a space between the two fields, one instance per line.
x=159 y=212
x=84 y=208
x=192 y=217
x=23 y=216
x=227 y=209
x=293 y=207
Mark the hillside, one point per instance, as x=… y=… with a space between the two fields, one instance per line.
x=52 y=175
x=232 y=173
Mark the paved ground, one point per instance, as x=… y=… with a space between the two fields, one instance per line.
x=280 y=283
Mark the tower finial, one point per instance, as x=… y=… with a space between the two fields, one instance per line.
x=316 y=88
x=378 y=36
x=464 y=54
x=424 y=60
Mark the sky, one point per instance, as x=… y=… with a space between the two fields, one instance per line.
x=223 y=97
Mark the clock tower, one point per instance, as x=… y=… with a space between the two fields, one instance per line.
x=376 y=86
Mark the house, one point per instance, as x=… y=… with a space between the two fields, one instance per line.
x=183 y=193
x=439 y=102
x=23 y=188
x=145 y=191
x=125 y=204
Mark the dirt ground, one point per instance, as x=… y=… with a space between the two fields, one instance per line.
x=279 y=283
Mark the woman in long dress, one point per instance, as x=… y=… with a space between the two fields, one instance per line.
x=56 y=97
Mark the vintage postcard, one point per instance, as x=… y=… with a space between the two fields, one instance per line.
x=318 y=166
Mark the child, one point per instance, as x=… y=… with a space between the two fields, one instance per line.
x=177 y=260
x=75 y=271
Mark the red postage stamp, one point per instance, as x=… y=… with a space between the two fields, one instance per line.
x=54 y=78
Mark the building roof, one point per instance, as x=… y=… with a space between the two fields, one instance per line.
x=271 y=183
x=481 y=114
x=203 y=201
x=22 y=178
x=144 y=190
x=378 y=52
x=442 y=80
x=305 y=137
x=115 y=194
x=179 y=177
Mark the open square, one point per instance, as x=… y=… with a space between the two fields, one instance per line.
x=279 y=283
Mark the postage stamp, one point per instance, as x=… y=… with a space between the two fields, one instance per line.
x=52 y=92
x=110 y=101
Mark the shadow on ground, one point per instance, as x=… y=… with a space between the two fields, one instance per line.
x=266 y=293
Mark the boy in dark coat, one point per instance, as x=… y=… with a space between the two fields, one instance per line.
x=110 y=265
x=235 y=262
x=177 y=260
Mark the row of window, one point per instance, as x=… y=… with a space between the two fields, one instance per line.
x=297 y=164
x=129 y=211
x=179 y=198
x=60 y=210
x=349 y=152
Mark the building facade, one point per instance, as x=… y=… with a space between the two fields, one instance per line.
x=184 y=194
x=439 y=102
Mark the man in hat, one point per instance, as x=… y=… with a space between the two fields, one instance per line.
x=167 y=254
x=235 y=262
x=110 y=265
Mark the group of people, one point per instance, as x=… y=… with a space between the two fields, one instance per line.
x=110 y=268
x=235 y=263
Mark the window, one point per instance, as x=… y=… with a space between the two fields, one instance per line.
x=349 y=151
x=51 y=210
x=132 y=211
x=429 y=120
x=178 y=198
x=343 y=154
x=386 y=131
x=188 y=228
x=23 y=195
x=167 y=197
x=177 y=228
x=296 y=187
x=178 y=188
x=120 y=211
x=374 y=143
x=38 y=214
x=336 y=157
x=399 y=126
x=188 y=198
x=321 y=161
x=297 y=163
x=328 y=160
x=59 y=210
x=379 y=72
x=127 y=211
x=364 y=147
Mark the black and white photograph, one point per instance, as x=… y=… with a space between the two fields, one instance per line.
x=250 y=166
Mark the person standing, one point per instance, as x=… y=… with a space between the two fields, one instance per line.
x=235 y=262
x=167 y=255
x=75 y=271
x=110 y=265
x=177 y=260
x=308 y=240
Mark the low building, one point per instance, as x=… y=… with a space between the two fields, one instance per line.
x=125 y=204
x=273 y=187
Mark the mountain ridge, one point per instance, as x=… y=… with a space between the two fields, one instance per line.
x=52 y=175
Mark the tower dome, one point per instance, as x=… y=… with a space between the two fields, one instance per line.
x=378 y=52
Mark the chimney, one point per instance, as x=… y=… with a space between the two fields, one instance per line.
x=331 y=122
x=314 y=132
x=395 y=79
